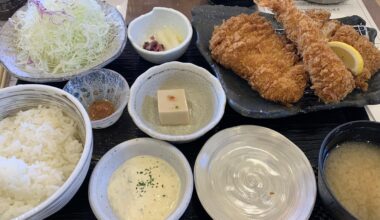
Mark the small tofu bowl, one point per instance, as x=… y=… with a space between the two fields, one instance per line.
x=143 y=27
x=205 y=96
x=356 y=131
x=114 y=158
x=101 y=84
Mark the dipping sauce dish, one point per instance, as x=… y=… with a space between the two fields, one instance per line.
x=102 y=87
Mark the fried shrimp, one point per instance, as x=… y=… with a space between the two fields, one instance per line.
x=331 y=81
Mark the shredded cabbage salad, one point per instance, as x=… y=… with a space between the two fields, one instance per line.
x=58 y=36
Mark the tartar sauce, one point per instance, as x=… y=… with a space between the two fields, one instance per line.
x=144 y=187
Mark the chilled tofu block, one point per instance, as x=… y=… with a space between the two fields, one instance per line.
x=172 y=107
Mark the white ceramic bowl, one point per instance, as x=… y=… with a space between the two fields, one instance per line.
x=101 y=84
x=252 y=172
x=118 y=155
x=143 y=27
x=22 y=97
x=205 y=97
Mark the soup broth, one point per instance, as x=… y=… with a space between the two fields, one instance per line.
x=353 y=174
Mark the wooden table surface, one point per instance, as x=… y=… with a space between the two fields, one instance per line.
x=306 y=131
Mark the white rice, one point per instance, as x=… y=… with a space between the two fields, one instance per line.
x=38 y=152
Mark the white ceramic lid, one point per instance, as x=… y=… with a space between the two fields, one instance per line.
x=252 y=172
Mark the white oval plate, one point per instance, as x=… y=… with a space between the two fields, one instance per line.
x=252 y=172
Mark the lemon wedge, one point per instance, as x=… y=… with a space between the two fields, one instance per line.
x=349 y=55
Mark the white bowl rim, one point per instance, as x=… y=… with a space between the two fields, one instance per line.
x=189 y=187
x=87 y=146
x=124 y=99
x=165 y=52
x=176 y=138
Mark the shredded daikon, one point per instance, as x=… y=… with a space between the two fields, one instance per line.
x=58 y=36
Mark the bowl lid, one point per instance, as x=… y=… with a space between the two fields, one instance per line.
x=252 y=172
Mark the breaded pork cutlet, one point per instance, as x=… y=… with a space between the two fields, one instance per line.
x=370 y=54
x=248 y=45
x=336 y=31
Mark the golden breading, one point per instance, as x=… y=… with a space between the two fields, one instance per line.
x=370 y=54
x=335 y=31
x=330 y=79
x=248 y=45
x=319 y=15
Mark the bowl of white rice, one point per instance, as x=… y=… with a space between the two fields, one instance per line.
x=45 y=150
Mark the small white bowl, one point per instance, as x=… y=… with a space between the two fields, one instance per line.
x=22 y=97
x=115 y=157
x=101 y=84
x=144 y=26
x=204 y=93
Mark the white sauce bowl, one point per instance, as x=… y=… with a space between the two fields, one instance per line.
x=115 y=157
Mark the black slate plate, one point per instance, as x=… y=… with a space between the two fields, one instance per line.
x=248 y=102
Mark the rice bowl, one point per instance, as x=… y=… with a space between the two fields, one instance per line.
x=58 y=188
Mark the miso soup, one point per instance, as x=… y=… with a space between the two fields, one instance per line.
x=352 y=172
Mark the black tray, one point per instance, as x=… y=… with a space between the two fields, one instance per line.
x=248 y=102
